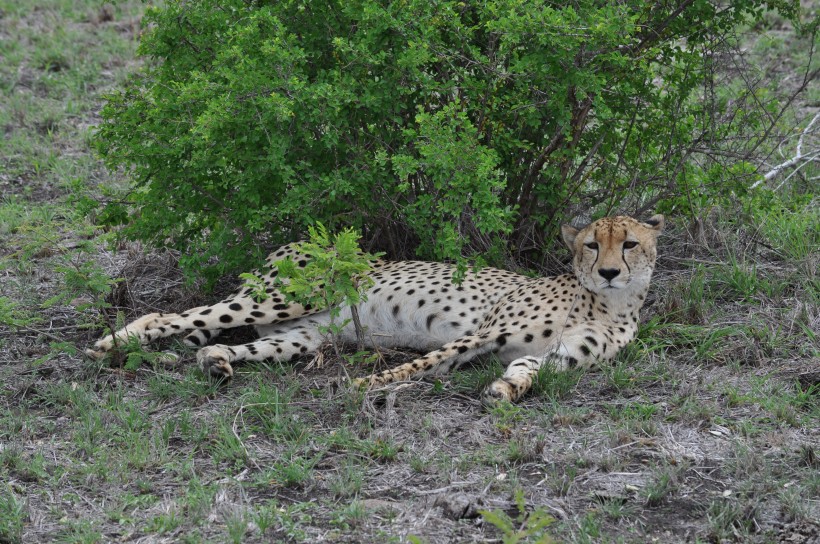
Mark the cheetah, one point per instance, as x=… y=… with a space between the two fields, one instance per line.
x=568 y=321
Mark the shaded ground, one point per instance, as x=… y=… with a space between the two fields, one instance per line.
x=705 y=430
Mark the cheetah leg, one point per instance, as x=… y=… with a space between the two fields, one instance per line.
x=435 y=362
x=203 y=323
x=146 y=328
x=233 y=312
x=281 y=345
x=580 y=347
x=200 y=337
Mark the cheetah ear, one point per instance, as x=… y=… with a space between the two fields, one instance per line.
x=655 y=223
x=569 y=233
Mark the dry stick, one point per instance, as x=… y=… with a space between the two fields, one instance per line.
x=239 y=413
x=44 y=333
x=357 y=323
x=808 y=77
x=798 y=155
x=809 y=159
x=454 y=485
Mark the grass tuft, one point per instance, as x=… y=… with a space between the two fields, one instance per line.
x=13 y=514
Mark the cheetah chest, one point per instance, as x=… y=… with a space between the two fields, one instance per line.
x=531 y=319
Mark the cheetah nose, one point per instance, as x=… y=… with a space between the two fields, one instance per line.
x=609 y=273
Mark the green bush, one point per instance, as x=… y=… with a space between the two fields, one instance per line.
x=440 y=128
x=336 y=275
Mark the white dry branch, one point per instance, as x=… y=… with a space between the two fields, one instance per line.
x=798 y=157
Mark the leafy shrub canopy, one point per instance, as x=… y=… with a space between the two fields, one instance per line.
x=443 y=127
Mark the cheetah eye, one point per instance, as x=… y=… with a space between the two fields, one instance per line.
x=592 y=245
x=629 y=244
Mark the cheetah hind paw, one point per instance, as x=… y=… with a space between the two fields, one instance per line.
x=97 y=355
x=214 y=362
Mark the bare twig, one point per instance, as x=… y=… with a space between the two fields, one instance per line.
x=798 y=155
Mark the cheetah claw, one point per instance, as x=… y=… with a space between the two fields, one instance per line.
x=214 y=362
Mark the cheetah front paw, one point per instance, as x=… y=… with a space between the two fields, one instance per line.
x=215 y=362
x=498 y=391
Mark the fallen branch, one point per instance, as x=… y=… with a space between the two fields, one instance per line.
x=798 y=155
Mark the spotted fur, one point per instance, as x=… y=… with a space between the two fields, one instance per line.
x=568 y=321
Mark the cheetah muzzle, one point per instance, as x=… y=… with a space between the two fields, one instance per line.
x=568 y=321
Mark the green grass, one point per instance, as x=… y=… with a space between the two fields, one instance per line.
x=553 y=385
x=348 y=481
x=740 y=278
x=267 y=409
x=617 y=509
x=13 y=514
x=349 y=516
x=164 y=523
x=473 y=379
x=635 y=418
x=123 y=509
x=54 y=67
x=190 y=386
x=565 y=416
x=227 y=446
x=525 y=527
x=795 y=234
x=82 y=531
x=236 y=526
x=661 y=486
x=26 y=467
x=290 y=520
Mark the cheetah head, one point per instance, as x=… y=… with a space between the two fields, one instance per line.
x=614 y=252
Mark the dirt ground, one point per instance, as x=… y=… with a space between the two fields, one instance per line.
x=668 y=446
